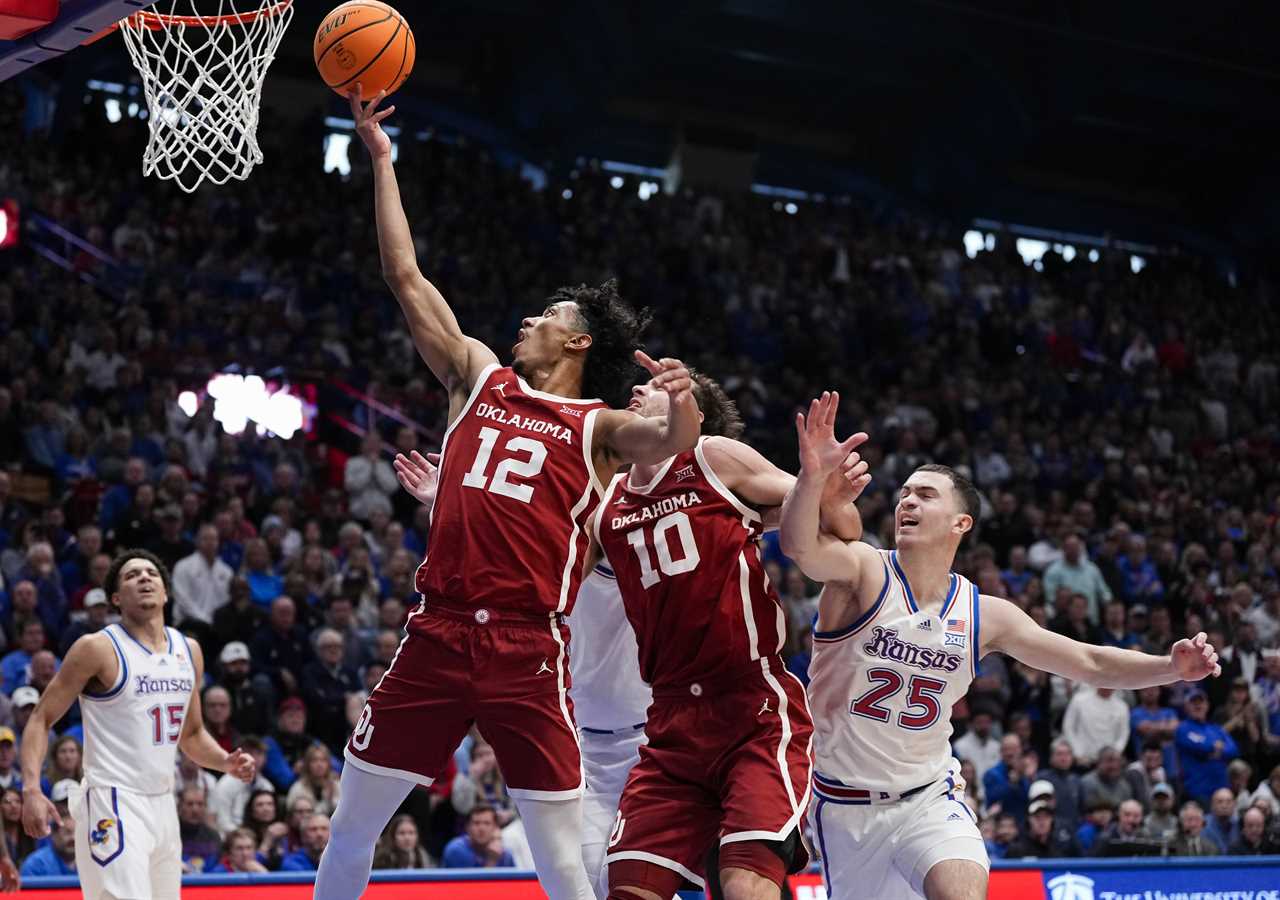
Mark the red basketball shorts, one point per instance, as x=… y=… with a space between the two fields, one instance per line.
x=731 y=764
x=506 y=673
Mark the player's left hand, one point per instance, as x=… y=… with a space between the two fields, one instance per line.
x=1194 y=658
x=847 y=483
x=668 y=375
x=820 y=451
x=241 y=765
x=10 y=880
x=418 y=475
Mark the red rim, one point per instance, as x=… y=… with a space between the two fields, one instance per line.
x=159 y=21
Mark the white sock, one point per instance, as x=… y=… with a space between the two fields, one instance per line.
x=365 y=806
x=554 y=832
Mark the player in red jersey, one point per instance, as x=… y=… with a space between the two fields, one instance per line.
x=729 y=733
x=523 y=465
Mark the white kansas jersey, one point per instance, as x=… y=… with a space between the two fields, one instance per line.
x=608 y=692
x=881 y=690
x=131 y=731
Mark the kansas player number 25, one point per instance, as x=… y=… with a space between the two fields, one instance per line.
x=923 y=708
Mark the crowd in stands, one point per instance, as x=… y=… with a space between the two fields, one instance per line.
x=1120 y=428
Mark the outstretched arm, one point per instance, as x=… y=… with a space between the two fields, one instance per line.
x=199 y=746
x=822 y=556
x=745 y=472
x=628 y=438
x=455 y=359
x=1007 y=629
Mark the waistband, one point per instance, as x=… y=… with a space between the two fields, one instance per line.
x=485 y=615
x=722 y=683
x=630 y=729
x=836 y=791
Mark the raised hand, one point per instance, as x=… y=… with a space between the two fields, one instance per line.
x=418 y=475
x=820 y=452
x=368 y=117
x=1194 y=658
x=669 y=375
x=847 y=483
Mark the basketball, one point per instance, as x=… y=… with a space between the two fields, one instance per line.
x=364 y=42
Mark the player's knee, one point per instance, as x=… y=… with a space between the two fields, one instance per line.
x=753 y=870
x=956 y=879
x=627 y=892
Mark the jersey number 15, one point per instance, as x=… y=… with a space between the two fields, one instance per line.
x=166 y=722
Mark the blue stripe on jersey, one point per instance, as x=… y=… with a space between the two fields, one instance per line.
x=976 y=650
x=144 y=647
x=862 y=620
x=906 y=585
x=115 y=810
x=822 y=848
x=124 y=672
x=605 y=571
x=951 y=597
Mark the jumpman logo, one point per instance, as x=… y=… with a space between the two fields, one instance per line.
x=544 y=668
x=501 y=389
x=764 y=707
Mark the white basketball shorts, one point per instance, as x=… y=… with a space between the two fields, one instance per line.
x=606 y=760
x=886 y=850
x=127 y=844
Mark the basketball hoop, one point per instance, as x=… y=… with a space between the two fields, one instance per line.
x=202 y=74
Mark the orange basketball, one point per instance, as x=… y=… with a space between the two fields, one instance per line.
x=364 y=42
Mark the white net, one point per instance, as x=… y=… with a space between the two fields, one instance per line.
x=202 y=71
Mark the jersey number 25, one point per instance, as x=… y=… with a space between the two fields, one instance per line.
x=923 y=708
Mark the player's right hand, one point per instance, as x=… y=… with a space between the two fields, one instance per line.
x=367 y=117
x=820 y=452
x=10 y=880
x=668 y=375
x=418 y=475
x=37 y=810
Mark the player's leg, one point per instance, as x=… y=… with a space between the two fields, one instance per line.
x=114 y=843
x=632 y=878
x=415 y=718
x=855 y=846
x=607 y=760
x=367 y=803
x=554 y=831
x=939 y=849
x=755 y=870
x=166 y=860
x=956 y=879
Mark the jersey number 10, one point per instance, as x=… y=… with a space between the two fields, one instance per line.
x=689 y=558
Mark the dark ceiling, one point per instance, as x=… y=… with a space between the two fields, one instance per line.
x=1155 y=116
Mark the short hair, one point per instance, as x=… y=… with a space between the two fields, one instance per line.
x=112 y=583
x=970 y=503
x=616 y=329
x=481 y=809
x=720 y=416
x=251 y=743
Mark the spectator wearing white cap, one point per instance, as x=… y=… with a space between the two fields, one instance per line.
x=201 y=581
x=1063 y=783
x=1161 y=823
x=252 y=700
x=24 y=700
x=97 y=617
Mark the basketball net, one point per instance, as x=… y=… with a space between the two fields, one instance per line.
x=202 y=73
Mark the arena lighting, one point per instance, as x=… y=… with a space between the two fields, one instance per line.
x=8 y=223
x=241 y=399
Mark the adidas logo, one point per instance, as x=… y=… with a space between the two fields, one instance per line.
x=163 y=661
x=955 y=817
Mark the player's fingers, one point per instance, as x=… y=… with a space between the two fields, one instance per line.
x=646 y=360
x=800 y=426
x=1199 y=639
x=357 y=108
x=852 y=441
x=815 y=413
x=833 y=404
x=1217 y=670
x=379 y=116
x=433 y=458
x=420 y=461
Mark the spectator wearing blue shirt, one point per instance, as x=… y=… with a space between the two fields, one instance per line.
x=15 y=667
x=1114 y=631
x=58 y=857
x=1222 y=825
x=1139 y=579
x=1019 y=574
x=1006 y=782
x=315 y=837
x=1150 y=721
x=1204 y=749
x=264 y=584
x=481 y=847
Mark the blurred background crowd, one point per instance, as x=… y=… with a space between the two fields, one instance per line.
x=1120 y=427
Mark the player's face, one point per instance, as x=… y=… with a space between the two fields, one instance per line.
x=649 y=401
x=542 y=339
x=140 y=589
x=928 y=510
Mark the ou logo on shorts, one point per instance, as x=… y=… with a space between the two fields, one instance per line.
x=364 y=730
x=618 y=826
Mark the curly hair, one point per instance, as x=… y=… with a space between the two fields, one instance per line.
x=720 y=414
x=112 y=583
x=616 y=329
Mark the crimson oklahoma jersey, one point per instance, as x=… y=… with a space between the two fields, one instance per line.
x=513 y=462
x=685 y=553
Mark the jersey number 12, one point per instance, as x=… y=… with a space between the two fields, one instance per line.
x=521 y=468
